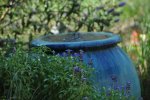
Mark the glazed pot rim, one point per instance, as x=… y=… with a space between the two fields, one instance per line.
x=112 y=39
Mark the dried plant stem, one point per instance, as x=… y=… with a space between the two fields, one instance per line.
x=7 y=10
x=4 y=14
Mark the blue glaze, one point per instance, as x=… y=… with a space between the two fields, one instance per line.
x=108 y=59
x=113 y=61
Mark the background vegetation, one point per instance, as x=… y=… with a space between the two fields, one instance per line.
x=21 y=20
x=139 y=11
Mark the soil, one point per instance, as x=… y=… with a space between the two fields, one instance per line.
x=77 y=37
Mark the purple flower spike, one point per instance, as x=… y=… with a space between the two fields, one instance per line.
x=110 y=10
x=121 y=4
x=76 y=55
x=114 y=78
x=68 y=51
x=77 y=69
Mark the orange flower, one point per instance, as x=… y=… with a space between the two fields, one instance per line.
x=134 y=38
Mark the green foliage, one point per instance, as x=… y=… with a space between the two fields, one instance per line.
x=140 y=11
x=26 y=76
x=136 y=8
x=40 y=16
x=144 y=58
x=34 y=75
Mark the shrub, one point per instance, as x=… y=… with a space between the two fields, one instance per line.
x=25 y=76
x=28 y=18
x=35 y=75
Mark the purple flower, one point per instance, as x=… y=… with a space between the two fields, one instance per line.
x=68 y=51
x=116 y=88
x=76 y=55
x=110 y=10
x=77 y=69
x=114 y=78
x=128 y=85
x=121 y=4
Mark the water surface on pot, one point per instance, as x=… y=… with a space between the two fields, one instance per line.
x=74 y=37
x=108 y=58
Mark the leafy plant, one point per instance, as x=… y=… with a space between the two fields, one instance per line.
x=27 y=76
x=36 y=75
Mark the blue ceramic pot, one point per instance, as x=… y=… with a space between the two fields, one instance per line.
x=111 y=63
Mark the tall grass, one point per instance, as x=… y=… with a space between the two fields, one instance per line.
x=28 y=76
x=36 y=75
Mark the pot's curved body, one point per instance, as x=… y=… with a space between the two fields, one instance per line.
x=108 y=59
